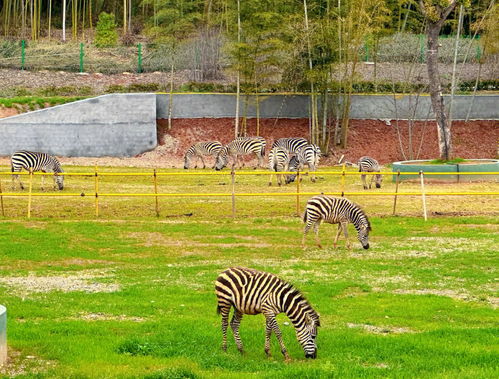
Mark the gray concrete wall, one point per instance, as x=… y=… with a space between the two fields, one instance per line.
x=484 y=107
x=109 y=125
x=3 y=335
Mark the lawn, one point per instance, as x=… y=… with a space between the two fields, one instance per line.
x=129 y=294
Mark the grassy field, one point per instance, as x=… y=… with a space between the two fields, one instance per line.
x=129 y=294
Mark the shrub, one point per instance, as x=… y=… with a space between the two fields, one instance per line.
x=106 y=34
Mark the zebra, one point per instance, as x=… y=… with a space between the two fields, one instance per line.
x=33 y=161
x=278 y=162
x=336 y=210
x=198 y=150
x=310 y=155
x=241 y=146
x=291 y=144
x=252 y=292
x=368 y=164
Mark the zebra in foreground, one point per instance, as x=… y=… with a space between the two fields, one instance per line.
x=308 y=155
x=368 y=164
x=252 y=292
x=32 y=161
x=292 y=144
x=198 y=150
x=278 y=162
x=241 y=146
x=336 y=210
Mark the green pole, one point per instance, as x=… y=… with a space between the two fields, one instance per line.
x=367 y=51
x=23 y=53
x=82 y=54
x=421 y=48
x=139 y=67
x=478 y=53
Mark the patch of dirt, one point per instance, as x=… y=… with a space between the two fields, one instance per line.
x=19 y=364
x=382 y=330
x=79 y=281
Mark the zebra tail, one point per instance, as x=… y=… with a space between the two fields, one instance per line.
x=305 y=216
x=218 y=309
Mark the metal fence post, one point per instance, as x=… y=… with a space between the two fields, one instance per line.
x=233 y=175
x=423 y=195
x=156 y=192
x=396 y=192
x=96 y=193
x=30 y=191
x=23 y=53
x=139 y=66
x=82 y=54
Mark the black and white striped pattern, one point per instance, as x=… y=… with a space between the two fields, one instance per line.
x=252 y=292
x=309 y=155
x=291 y=144
x=198 y=150
x=368 y=164
x=278 y=162
x=336 y=210
x=241 y=146
x=32 y=161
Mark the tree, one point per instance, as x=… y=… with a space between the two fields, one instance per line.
x=435 y=13
x=106 y=34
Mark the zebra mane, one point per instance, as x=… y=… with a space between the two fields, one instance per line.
x=301 y=298
x=362 y=215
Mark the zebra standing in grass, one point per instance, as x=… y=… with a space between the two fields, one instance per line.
x=292 y=144
x=368 y=164
x=199 y=149
x=336 y=210
x=309 y=155
x=278 y=162
x=252 y=292
x=241 y=146
x=32 y=161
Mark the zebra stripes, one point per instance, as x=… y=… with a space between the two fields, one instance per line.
x=307 y=155
x=336 y=210
x=241 y=146
x=291 y=144
x=198 y=150
x=368 y=164
x=33 y=161
x=278 y=162
x=252 y=292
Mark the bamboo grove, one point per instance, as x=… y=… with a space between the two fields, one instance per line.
x=303 y=45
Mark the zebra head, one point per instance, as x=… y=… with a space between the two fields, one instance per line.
x=59 y=179
x=364 y=235
x=379 y=179
x=309 y=335
x=222 y=158
x=294 y=165
x=187 y=161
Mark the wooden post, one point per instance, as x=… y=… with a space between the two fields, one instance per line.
x=396 y=192
x=298 y=178
x=30 y=191
x=423 y=195
x=156 y=192
x=233 y=175
x=343 y=180
x=96 y=193
x=1 y=199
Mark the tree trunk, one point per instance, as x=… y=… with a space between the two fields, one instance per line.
x=437 y=100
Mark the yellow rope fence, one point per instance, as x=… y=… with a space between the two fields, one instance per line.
x=233 y=194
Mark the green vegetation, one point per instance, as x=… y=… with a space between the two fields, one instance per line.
x=130 y=295
x=106 y=34
x=451 y=161
x=24 y=103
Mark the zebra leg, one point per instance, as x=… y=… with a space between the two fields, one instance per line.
x=345 y=232
x=270 y=180
x=337 y=236
x=18 y=179
x=363 y=177
x=202 y=160
x=371 y=182
x=225 y=323
x=234 y=324
x=312 y=168
x=272 y=323
x=316 y=231
x=268 y=334
x=43 y=181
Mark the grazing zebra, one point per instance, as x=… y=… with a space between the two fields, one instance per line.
x=31 y=161
x=308 y=155
x=278 y=162
x=198 y=150
x=336 y=210
x=368 y=164
x=252 y=292
x=241 y=146
x=291 y=144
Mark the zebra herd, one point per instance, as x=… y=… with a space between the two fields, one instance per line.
x=286 y=155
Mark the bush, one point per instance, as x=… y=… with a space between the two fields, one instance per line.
x=106 y=34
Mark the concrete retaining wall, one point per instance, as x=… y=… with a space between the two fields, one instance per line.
x=109 y=125
x=3 y=335
x=484 y=107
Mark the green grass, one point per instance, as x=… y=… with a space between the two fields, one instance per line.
x=130 y=295
x=450 y=161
